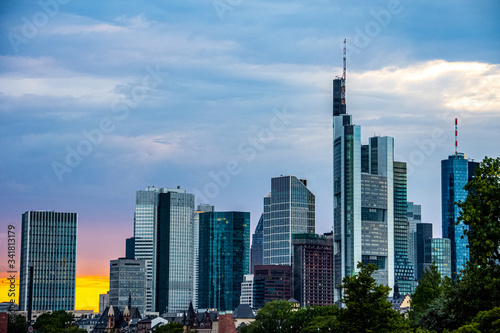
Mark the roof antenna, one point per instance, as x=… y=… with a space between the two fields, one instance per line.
x=456 y=136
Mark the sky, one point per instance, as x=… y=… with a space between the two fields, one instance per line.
x=99 y=99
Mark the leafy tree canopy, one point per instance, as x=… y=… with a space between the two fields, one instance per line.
x=367 y=308
x=481 y=212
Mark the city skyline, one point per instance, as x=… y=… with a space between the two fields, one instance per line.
x=212 y=83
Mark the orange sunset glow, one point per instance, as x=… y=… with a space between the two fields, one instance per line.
x=87 y=292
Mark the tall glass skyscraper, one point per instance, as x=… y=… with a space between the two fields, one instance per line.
x=145 y=235
x=257 y=250
x=224 y=258
x=288 y=209
x=175 y=265
x=456 y=171
x=346 y=191
x=404 y=274
x=363 y=198
x=196 y=248
x=48 y=242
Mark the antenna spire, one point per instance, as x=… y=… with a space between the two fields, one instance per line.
x=456 y=136
x=342 y=84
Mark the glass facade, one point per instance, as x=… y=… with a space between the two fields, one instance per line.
x=288 y=209
x=414 y=214
x=438 y=251
x=48 y=242
x=196 y=248
x=347 y=166
x=257 y=252
x=127 y=281
x=224 y=258
x=404 y=274
x=145 y=234
x=175 y=251
x=424 y=232
x=455 y=174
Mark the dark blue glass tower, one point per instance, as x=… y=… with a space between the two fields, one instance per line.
x=257 y=253
x=456 y=171
x=223 y=258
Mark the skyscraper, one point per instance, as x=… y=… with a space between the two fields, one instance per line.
x=424 y=232
x=414 y=213
x=196 y=248
x=346 y=190
x=48 y=242
x=271 y=283
x=257 y=250
x=363 y=197
x=377 y=209
x=289 y=208
x=456 y=171
x=146 y=235
x=127 y=282
x=438 y=251
x=404 y=274
x=224 y=258
x=175 y=266
x=313 y=269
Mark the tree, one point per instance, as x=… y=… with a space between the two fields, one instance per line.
x=309 y=319
x=430 y=287
x=169 y=328
x=485 y=321
x=274 y=317
x=56 y=322
x=367 y=308
x=17 y=323
x=481 y=212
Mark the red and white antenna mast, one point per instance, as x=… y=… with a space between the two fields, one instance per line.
x=342 y=82
x=456 y=136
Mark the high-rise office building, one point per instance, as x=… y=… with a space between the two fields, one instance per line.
x=313 y=269
x=127 y=283
x=196 y=248
x=247 y=290
x=257 y=250
x=438 y=251
x=363 y=197
x=271 y=283
x=414 y=213
x=288 y=209
x=404 y=274
x=456 y=171
x=377 y=209
x=223 y=259
x=48 y=243
x=175 y=265
x=424 y=232
x=145 y=235
x=346 y=190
